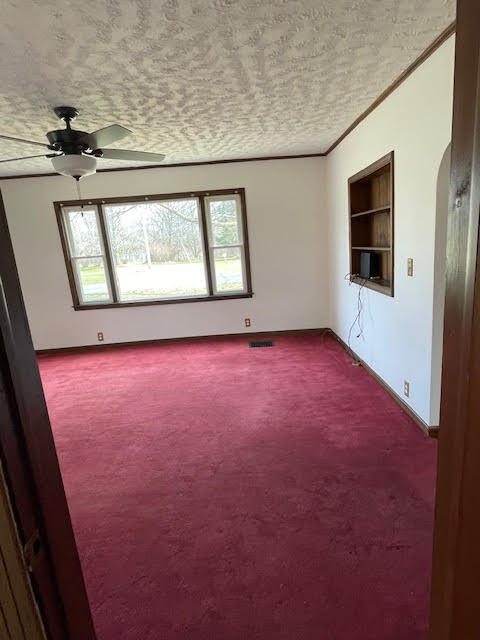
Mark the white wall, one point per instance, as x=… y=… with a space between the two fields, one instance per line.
x=414 y=121
x=287 y=248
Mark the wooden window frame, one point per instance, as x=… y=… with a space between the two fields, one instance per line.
x=201 y=196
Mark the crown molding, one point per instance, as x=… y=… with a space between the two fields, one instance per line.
x=173 y=165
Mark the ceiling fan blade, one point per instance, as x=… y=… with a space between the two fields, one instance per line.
x=49 y=155
x=38 y=144
x=133 y=156
x=107 y=135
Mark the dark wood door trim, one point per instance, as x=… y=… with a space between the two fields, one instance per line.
x=31 y=467
x=456 y=559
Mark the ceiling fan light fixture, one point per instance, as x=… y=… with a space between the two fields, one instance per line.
x=75 y=152
x=74 y=165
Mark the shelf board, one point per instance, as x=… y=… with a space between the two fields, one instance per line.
x=372 y=248
x=366 y=213
x=380 y=285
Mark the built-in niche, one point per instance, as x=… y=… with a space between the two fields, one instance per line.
x=371 y=223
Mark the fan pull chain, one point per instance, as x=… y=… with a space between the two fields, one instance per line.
x=77 y=180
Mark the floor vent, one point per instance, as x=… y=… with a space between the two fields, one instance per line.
x=262 y=343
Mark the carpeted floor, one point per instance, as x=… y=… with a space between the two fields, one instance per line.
x=226 y=493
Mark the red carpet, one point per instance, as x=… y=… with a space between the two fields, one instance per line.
x=226 y=493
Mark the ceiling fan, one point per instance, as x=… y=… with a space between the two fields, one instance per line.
x=75 y=153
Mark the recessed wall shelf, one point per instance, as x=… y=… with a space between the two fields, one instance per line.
x=371 y=222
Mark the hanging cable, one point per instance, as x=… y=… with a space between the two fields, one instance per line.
x=358 y=320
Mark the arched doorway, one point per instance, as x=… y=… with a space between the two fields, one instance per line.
x=443 y=179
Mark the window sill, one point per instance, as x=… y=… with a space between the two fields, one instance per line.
x=147 y=303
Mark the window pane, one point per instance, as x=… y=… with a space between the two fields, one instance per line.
x=85 y=239
x=92 y=279
x=223 y=216
x=157 y=249
x=228 y=269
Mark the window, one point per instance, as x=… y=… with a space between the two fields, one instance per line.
x=225 y=240
x=156 y=249
x=87 y=255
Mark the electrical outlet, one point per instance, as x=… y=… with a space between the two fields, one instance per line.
x=248 y=322
x=100 y=336
x=410 y=267
x=406 y=388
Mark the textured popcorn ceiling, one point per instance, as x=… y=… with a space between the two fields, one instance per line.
x=204 y=79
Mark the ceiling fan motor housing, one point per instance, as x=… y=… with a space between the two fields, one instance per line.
x=68 y=140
